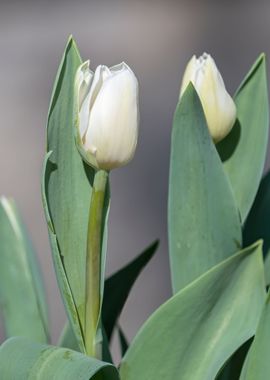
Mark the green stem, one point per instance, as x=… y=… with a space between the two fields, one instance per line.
x=93 y=262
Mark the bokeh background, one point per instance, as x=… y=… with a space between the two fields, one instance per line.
x=156 y=38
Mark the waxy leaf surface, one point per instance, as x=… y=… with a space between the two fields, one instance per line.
x=193 y=334
x=204 y=223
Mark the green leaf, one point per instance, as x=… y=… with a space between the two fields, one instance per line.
x=257 y=364
x=22 y=297
x=233 y=367
x=202 y=325
x=118 y=286
x=204 y=224
x=68 y=338
x=106 y=353
x=62 y=280
x=243 y=151
x=67 y=189
x=123 y=341
x=258 y=221
x=21 y=359
x=256 y=227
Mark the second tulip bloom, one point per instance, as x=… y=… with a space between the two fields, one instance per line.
x=218 y=106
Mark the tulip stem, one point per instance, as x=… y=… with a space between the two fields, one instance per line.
x=93 y=263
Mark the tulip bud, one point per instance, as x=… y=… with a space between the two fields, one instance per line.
x=107 y=115
x=218 y=106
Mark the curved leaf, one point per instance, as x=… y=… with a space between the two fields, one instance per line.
x=202 y=325
x=123 y=341
x=257 y=365
x=62 y=280
x=21 y=359
x=117 y=288
x=233 y=367
x=67 y=192
x=22 y=296
x=204 y=224
x=258 y=221
x=243 y=151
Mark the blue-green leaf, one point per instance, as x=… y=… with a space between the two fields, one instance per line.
x=204 y=223
x=193 y=334
x=21 y=359
x=243 y=151
x=62 y=280
x=22 y=298
x=117 y=288
x=258 y=221
x=257 y=364
x=67 y=189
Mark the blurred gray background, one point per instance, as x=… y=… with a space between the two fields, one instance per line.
x=156 y=38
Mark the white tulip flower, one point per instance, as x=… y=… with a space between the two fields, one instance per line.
x=107 y=115
x=218 y=106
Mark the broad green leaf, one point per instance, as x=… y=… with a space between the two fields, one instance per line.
x=118 y=286
x=204 y=224
x=22 y=298
x=258 y=221
x=257 y=365
x=67 y=192
x=123 y=341
x=62 y=280
x=202 y=325
x=243 y=151
x=21 y=359
x=256 y=227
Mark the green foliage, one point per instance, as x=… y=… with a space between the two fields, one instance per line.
x=43 y=362
x=67 y=188
x=243 y=150
x=118 y=286
x=257 y=365
x=203 y=324
x=204 y=224
x=258 y=221
x=205 y=330
x=22 y=300
x=116 y=291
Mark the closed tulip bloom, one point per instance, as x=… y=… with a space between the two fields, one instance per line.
x=218 y=106
x=107 y=115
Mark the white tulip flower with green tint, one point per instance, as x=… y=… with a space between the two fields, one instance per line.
x=106 y=115
x=218 y=106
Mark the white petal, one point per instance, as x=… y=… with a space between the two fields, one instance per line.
x=83 y=81
x=113 y=124
x=102 y=72
x=219 y=108
x=189 y=74
x=96 y=83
